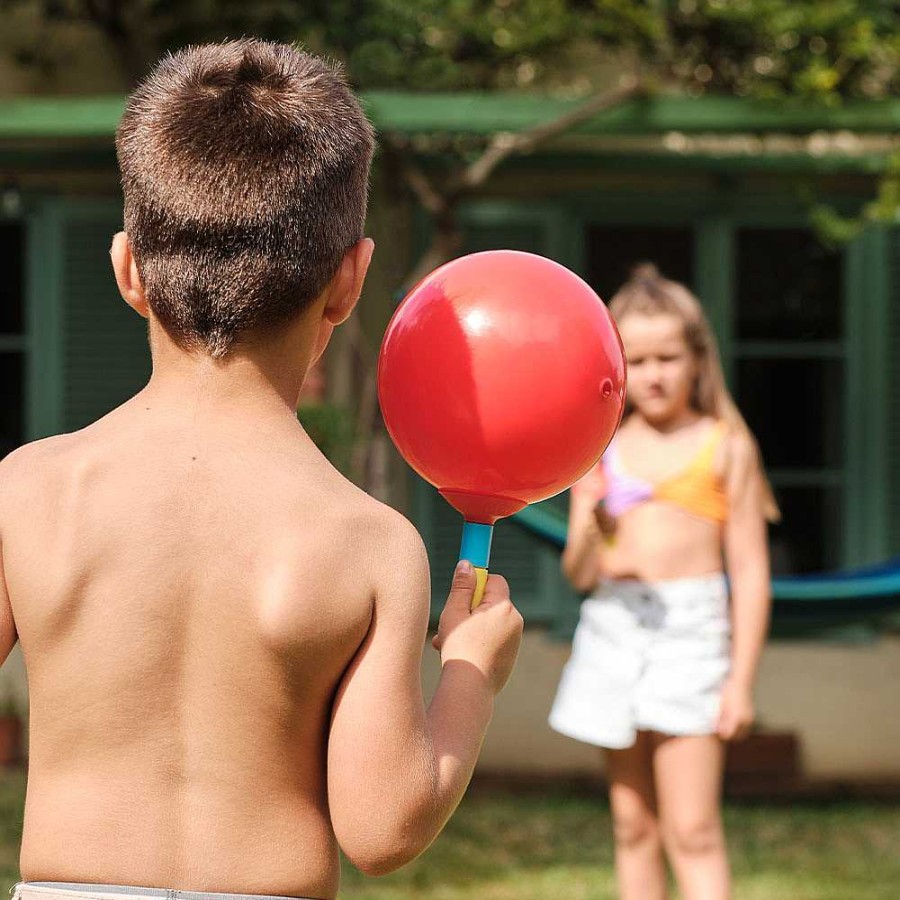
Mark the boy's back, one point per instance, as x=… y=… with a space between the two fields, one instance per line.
x=222 y=636
x=187 y=599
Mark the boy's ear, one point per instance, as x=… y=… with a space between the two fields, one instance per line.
x=127 y=277
x=347 y=284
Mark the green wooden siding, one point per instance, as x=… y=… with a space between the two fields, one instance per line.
x=869 y=379
x=44 y=385
x=91 y=349
x=106 y=356
x=891 y=409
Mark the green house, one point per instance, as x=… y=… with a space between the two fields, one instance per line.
x=717 y=192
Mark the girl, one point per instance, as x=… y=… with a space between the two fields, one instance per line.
x=662 y=666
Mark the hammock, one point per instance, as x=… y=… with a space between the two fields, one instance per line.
x=822 y=600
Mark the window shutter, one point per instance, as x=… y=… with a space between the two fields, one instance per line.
x=104 y=347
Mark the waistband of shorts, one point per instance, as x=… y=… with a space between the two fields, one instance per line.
x=116 y=891
x=715 y=583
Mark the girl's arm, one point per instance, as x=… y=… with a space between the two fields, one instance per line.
x=581 y=556
x=747 y=563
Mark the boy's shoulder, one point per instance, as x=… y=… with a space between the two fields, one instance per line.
x=31 y=460
x=370 y=538
x=27 y=471
x=379 y=527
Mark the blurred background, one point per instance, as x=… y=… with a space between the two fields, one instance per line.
x=747 y=147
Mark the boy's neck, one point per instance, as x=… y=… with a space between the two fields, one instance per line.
x=254 y=382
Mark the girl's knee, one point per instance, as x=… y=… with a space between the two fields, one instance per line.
x=635 y=830
x=696 y=836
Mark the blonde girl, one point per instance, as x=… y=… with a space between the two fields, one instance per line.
x=666 y=651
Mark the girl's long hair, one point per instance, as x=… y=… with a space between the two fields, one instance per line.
x=648 y=293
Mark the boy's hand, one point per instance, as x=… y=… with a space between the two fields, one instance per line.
x=489 y=636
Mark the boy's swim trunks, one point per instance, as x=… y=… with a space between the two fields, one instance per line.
x=66 y=890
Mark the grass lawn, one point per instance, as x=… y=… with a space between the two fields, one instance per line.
x=557 y=846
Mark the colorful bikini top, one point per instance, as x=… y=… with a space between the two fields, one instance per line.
x=697 y=489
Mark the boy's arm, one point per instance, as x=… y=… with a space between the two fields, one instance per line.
x=8 y=633
x=395 y=771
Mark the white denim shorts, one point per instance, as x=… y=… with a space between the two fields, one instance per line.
x=647 y=656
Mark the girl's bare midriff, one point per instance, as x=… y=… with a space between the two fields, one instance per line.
x=656 y=541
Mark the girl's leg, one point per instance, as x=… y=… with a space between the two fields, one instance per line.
x=688 y=787
x=640 y=867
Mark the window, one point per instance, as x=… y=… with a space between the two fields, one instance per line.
x=613 y=252
x=790 y=369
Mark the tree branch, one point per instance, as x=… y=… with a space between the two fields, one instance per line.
x=506 y=144
x=444 y=246
x=128 y=37
x=430 y=197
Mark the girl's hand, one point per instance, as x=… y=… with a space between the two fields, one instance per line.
x=605 y=522
x=736 y=713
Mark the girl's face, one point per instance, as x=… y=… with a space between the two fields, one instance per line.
x=662 y=369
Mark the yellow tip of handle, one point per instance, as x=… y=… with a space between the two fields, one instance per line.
x=481 y=577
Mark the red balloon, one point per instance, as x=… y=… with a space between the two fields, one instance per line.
x=501 y=380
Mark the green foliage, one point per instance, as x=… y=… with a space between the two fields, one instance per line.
x=832 y=228
x=822 y=50
x=774 y=49
x=9 y=705
x=763 y=48
x=332 y=431
x=886 y=205
x=789 y=51
x=408 y=44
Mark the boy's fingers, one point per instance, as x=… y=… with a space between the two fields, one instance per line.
x=462 y=586
x=495 y=591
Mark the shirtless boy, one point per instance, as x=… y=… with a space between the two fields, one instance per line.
x=222 y=635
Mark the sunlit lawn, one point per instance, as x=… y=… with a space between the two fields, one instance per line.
x=556 y=846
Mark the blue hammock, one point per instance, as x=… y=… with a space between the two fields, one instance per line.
x=860 y=595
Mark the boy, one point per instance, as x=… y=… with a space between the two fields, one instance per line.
x=222 y=635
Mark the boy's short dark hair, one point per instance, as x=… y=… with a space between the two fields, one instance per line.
x=245 y=173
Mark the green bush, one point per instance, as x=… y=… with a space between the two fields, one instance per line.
x=331 y=430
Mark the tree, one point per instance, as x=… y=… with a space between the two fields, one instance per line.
x=823 y=52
